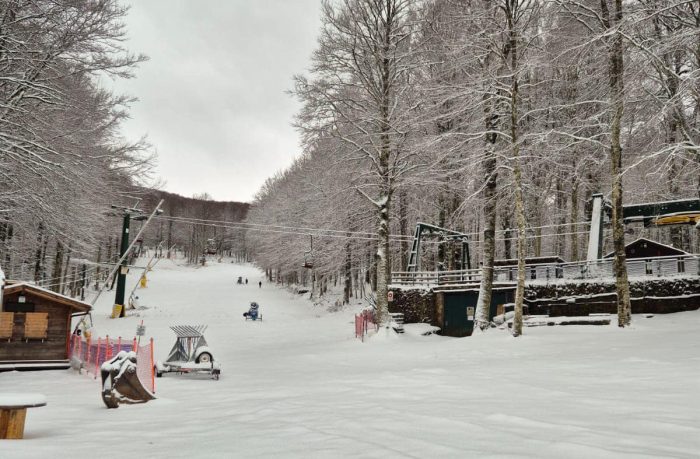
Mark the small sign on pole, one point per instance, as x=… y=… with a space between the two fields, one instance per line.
x=470 y=313
x=140 y=331
x=390 y=296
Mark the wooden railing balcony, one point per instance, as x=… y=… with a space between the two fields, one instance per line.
x=656 y=267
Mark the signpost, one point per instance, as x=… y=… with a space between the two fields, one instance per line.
x=140 y=331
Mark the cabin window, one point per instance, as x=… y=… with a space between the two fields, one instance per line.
x=36 y=325
x=559 y=272
x=681 y=265
x=7 y=322
x=19 y=307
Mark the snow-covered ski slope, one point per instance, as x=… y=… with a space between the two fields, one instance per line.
x=299 y=385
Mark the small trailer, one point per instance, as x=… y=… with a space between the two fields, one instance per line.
x=190 y=353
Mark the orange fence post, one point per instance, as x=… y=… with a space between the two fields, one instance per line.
x=108 y=349
x=97 y=357
x=153 y=376
x=87 y=353
x=134 y=346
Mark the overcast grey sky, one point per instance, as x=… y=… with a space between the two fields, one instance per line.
x=212 y=96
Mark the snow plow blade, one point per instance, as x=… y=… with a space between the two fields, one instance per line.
x=120 y=383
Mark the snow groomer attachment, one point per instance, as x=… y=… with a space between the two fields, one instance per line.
x=120 y=382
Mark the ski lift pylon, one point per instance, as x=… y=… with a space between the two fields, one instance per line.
x=309 y=255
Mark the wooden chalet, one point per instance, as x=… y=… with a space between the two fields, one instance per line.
x=646 y=248
x=35 y=327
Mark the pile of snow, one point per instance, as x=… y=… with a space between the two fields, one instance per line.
x=10 y=399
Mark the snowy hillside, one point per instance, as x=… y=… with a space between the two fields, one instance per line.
x=300 y=385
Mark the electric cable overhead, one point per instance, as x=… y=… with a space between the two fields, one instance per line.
x=306 y=230
x=356 y=235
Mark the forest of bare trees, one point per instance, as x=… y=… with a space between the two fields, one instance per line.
x=63 y=161
x=495 y=118
x=498 y=119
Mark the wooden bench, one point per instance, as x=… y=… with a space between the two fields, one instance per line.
x=13 y=412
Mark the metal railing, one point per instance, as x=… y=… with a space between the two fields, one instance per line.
x=655 y=267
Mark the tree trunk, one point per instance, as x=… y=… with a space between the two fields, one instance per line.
x=517 y=173
x=616 y=71
x=57 y=268
x=403 y=228
x=65 y=277
x=97 y=271
x=573 y=228
x=347 y=288
x=38 y=257
x=483 y=303
x=506 y=224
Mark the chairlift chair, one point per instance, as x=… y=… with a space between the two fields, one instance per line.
x=309 y=255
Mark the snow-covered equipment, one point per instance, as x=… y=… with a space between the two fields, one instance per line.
x=253 y=312
x=190 y=353
x=120 y=382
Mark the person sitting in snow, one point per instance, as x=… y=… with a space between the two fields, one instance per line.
x=252 y=312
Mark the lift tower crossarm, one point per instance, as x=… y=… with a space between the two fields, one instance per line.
x=414 y=256
x=647 y=212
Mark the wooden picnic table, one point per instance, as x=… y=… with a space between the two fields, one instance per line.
x=13 y=412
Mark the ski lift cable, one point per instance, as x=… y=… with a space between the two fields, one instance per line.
x=128 y=249
x=93 y=267
x=268 y=230
x=342 y=233
x=365 y=233
x=244 y=225
x=79 y=273
x=234 y=225
x=65 y=281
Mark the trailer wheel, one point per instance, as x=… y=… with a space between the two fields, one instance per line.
x=204 y=357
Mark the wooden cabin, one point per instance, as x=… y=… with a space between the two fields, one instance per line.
x=646 y=248
x=35 y=327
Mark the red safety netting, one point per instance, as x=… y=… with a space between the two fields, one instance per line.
x=145 y=366
x=363 y=322
x=89 y=354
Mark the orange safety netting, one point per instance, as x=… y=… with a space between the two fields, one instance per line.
x=89 y=354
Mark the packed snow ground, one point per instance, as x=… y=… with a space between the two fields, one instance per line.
x=300 y=385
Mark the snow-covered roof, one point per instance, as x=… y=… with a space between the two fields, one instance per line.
x=530 y=261
x=11 y=288
x=658 y=244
